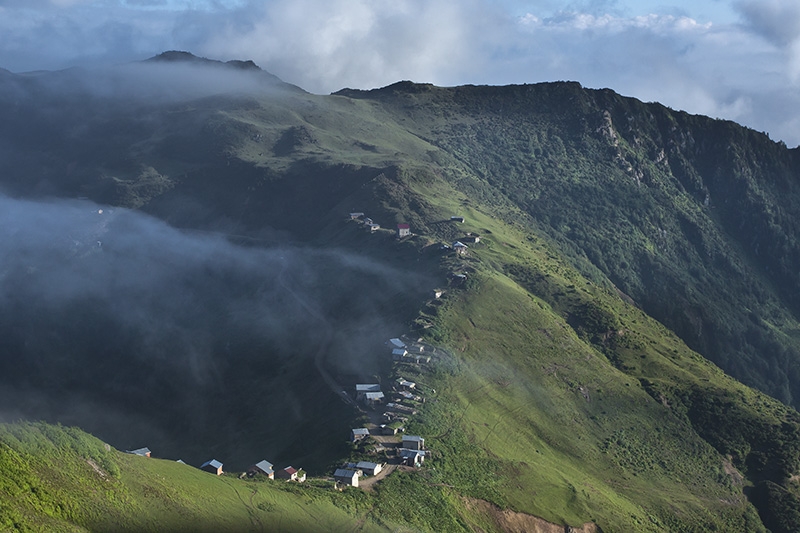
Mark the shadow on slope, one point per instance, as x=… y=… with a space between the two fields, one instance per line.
x=186 y=343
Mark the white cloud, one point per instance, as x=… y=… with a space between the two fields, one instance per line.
x=776 y=20
x=737 y=71
x=326 y=45
x=68 y=3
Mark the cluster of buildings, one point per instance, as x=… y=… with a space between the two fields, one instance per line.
x=350 y=473
x=403 y=230
x=409 y=353
x=262 y=467
x=411 y=452
x=405 y=397
x=265 y=468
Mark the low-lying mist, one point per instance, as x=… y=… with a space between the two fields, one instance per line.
x=189 y=344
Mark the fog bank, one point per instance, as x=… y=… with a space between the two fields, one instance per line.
x=147 y=335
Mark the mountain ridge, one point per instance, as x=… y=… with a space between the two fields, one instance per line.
x=555 y=384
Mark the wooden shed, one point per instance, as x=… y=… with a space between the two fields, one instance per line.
x=213 y=466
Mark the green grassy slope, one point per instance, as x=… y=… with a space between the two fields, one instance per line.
x=566 y=402
x=562 y=397
x=61 y=479
x=693 y=218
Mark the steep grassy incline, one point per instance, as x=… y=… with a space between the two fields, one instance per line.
x=564 y=401
x=561 y=396
x=693 y=218
x=61 y=479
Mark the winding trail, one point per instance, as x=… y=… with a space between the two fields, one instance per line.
x=252 y=514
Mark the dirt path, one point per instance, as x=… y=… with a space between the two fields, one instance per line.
x=367 y=483
x=251 y=512
x=97 y=469
x=513 y=522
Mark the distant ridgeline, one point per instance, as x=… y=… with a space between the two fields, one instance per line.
x=579 y=257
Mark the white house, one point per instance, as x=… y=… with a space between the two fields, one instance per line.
x=371 y=398
x=291 y=473
x=368 y=468
x=404 y=383
x=412 y=457
x=346 y=477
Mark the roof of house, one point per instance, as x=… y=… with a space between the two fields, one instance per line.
x=459 y=244
x=212 y=463
x=403 y=226
x=399 y=351
x=368 y=387
x=413 y=438
x=360 y=431
x=373 y=395
x=406 y=383
x=141 y=451
x=264 y=466
x=405 y=452
x=366 y=465
x=290 y=470
x=397 y=342
x=345 y=472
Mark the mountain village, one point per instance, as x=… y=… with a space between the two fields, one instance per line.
x=389 y=408
x=383 y=438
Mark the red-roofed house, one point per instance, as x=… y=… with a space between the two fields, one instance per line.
x=403 y=230
x=291 y=474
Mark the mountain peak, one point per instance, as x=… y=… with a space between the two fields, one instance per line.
x=179 y=56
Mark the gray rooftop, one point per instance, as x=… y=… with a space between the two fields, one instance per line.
x=140 y=451
x=264 y=466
